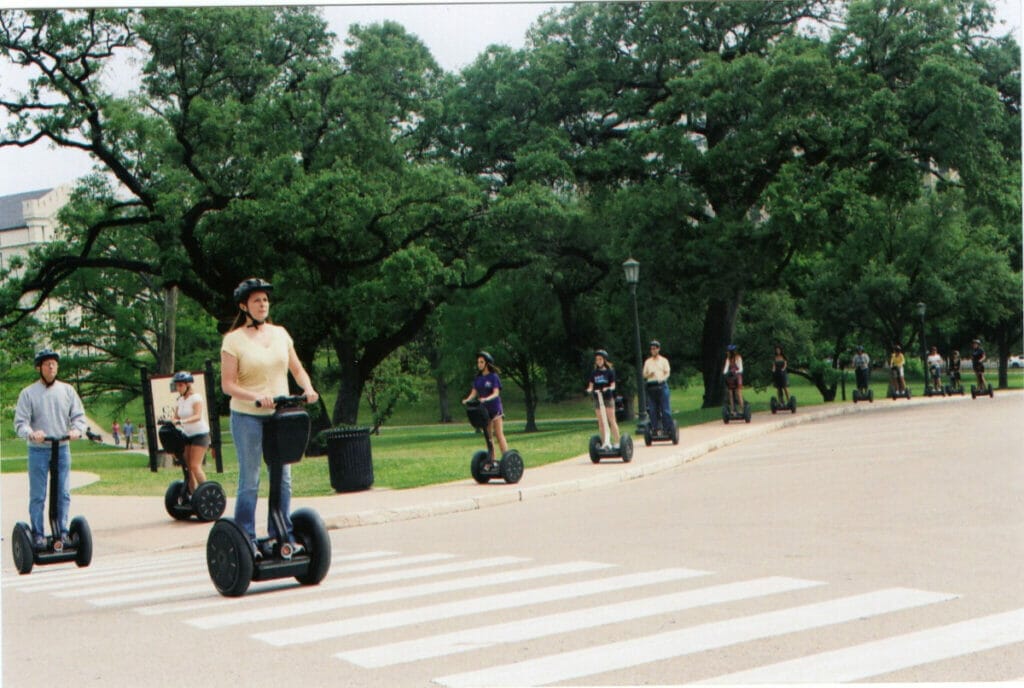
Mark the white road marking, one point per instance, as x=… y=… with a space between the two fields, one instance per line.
x=174 y=590
x=538 y=627
x=891 y=654
x=448 y=610
x=199 y=573
x=281 y=611
x=329 y=584
x=598 y=659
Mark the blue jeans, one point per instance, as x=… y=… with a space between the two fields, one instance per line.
x=247 y=432
x=658 y=407
x=38 y=472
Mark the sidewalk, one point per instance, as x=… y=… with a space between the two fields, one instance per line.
x=132 y=523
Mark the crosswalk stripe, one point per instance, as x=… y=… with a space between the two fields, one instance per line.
x=56 y=579
x=177 y=590
x=330 y=584
x=375 y=622
x=480 y=638
x=198 y=573
x=280 y=611
x=621 y=655
x=890 y=654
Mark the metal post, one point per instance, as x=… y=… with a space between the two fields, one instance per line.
x=641 y=416
x=924 y=346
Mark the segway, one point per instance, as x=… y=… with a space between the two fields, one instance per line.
x=76 y=547
x=863 y=391
x=894 y=393
x=977 y=391
x=661 y=427
x=230 y=558
x=606 y=450
x=207 y=502
x=732 y=397
x=935 y=389
x=954 y=386
x=482 y=466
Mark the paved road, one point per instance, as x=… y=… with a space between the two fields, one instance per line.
x=884 y=546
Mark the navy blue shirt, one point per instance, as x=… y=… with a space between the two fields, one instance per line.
x=602 y=378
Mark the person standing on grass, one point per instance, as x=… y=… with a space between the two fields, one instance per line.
x=116 y=432
x=48 y=408
x=129 y=429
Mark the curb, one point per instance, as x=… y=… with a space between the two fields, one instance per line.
x=629 y=472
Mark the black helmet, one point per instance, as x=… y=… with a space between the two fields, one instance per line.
x=860 y=349
x=45 y=354
x=602 y=353
x=486 y=356
x=247 y=287
x=655 y=342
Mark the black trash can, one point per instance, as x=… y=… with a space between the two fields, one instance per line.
x=349 y=459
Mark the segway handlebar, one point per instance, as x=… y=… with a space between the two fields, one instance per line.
x=286 y=400
x=56 y=439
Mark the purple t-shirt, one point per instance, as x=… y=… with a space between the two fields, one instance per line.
x=485 y=385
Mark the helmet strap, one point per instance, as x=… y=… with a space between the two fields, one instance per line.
x=252 y=322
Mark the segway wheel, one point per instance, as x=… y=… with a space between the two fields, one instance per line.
x=595 y=448
x=511 y=466
x=229 y=558
x=476 y=467
x=871 y=396
x=991 y=394
x=648 y=437
x=209 y=501
x=792 y=404
x=626 y=448
x=673 y=430
x=81 y=536
x=171 y=501
x=774 y=405
x=21 y=548
x=726 y=413
x=856 y=395
x=746 y=411
x=311 y=531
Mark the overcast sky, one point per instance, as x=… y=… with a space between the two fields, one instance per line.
x=455 y=34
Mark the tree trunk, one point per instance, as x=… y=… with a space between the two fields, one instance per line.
x=350 y=391
x=719 y=326
x=168 y=333
x=442 y=399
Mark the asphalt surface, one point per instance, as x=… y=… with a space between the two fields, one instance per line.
x=131 y=523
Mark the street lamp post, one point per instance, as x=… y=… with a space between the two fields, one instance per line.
x=632 y=269
x=924 y=346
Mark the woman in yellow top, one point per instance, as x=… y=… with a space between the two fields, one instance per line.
x=896 y=361
x=255 y=359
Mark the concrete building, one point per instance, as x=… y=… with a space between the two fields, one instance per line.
x=27 y=220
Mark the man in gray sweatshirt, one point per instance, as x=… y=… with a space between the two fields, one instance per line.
x=48 y=408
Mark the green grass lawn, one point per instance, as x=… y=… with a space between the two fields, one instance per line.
x=413 y=455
